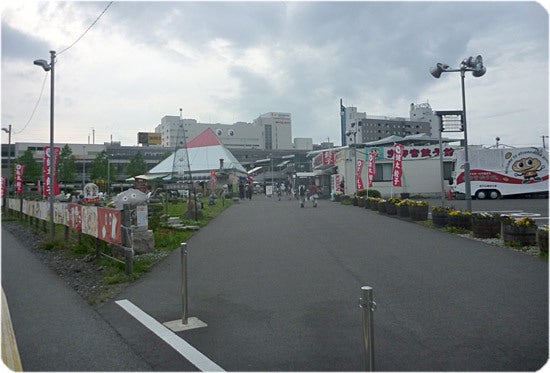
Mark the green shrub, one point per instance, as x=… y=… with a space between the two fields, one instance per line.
x=368 y=193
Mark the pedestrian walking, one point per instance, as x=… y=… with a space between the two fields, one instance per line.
x=302 y=194
x=241 y=190
x=313 y=194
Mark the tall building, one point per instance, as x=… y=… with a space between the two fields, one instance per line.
x=363 y=128
x=268 y=131
x=277 y=130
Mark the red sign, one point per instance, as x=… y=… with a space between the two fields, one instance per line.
x=397 y=164
x=109 y=228
x=359 y=168
x=328 y=158
x=75 y=216
x=50 y=171
x=19 y=171
x=371 y=168
x=213 y=179
x=3 y=186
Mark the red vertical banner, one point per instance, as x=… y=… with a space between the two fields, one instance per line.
x=3 y=186
x=397 y=164
x=371 y=168
x=337 y=182
x=19 y=172
x=213 y=180
x=50 y=171
x=359 y=170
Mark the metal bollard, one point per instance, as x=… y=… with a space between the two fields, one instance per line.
x=366 y=302
x=184 y=283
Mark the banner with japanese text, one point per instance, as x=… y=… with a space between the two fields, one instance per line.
x=397 y=164
x=3 y=185
x=359 y=170
x=371 y=168
x=213 y=179
x=50 y=171
x=19 y=172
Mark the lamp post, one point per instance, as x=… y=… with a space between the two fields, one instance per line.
x=50 y=67
x=353 y=131
x=8 y=131
x=83 y=167
x=475 y=65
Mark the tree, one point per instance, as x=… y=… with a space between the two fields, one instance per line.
x=137 y=166
x=33 y=170
x=66 y=167
x=98 y=168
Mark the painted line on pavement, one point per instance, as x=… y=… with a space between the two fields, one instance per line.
x=181 y=346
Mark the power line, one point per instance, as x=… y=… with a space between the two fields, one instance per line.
x=88 y=29
x=35 y=106
x=64 y=50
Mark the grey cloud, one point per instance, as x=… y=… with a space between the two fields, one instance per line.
x=17 y=45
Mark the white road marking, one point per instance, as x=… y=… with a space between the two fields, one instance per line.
x=181 y=346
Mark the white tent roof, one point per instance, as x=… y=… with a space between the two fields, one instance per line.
x=205 y=152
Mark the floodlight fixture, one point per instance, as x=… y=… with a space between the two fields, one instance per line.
x=475 y=65
x=44 y=64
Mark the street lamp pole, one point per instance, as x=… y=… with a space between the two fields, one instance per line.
x=50 y=67
x=8 y=131
x=467 y=179
x=475 y=65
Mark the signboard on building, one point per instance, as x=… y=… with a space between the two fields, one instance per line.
x=149 y=138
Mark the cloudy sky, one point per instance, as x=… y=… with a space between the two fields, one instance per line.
x=224 y=62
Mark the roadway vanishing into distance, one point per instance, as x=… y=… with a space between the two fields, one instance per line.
x=279 y=288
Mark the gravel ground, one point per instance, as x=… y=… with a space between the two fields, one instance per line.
x=85 y=276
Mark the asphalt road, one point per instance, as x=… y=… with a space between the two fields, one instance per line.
x=279 y=288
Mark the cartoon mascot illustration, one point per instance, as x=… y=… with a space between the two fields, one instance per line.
x=528 y=167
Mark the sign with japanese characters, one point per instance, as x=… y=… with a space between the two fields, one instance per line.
x=50 y=171
x=19 y=171
x=3 y=186
x=359 y=170
x=419 y=152
x=371 y=167
x=397 y=164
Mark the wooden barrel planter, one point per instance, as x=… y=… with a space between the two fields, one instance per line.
x=403 y=211
x=391 y=209
x=418 y=213
x=460 y=221
x=440 y=219
x=485 y=228
x=522 y=236
x=382 y=206
x=542 y=239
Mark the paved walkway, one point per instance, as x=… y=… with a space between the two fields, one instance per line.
x=55 y=329
x=279 y=288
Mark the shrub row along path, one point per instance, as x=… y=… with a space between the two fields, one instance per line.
x=279 y=287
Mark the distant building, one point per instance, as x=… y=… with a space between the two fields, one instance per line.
x=363 y=128
x=270 y=131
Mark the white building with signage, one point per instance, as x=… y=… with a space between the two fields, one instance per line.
x=421 y=167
